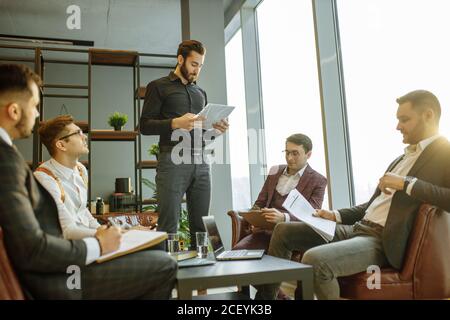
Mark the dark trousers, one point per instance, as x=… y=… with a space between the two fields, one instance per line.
x=175 y=180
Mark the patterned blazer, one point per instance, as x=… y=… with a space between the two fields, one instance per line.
x=33 y=237
x=311 y=185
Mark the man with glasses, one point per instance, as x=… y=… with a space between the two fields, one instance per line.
x=282 y=179
x=65 y=177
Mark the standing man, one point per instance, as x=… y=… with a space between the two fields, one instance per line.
x=377 y=232
x=170 y=108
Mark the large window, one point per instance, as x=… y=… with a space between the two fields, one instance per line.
x=238 y=123
x=389 y=48
x=290 y=86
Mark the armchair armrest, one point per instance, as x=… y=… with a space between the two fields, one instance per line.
x=239 y=227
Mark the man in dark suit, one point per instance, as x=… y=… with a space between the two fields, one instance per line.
x=48 y=266
x=376 y=232
x=297 y=173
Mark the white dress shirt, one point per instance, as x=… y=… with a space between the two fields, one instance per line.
x=92 y=245
x=378 y=210
x=287 y=182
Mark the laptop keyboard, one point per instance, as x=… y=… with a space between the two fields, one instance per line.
x=234 y=253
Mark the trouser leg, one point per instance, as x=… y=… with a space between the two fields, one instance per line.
x=344 y=258
x=172 y=180
x=198 y=196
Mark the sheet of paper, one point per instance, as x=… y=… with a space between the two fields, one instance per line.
x=297 y=205
x=133 y=239
x=214 y=113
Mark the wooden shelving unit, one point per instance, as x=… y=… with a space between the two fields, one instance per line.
x=93 y=57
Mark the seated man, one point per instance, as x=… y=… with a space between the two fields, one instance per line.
x=281 y=180
x=66 y=178
x=376 y=232
x=41 y=257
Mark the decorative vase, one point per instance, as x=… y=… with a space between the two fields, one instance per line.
x=118 y=128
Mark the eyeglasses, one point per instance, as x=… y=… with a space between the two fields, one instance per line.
x=294 y=153
x=79 y=132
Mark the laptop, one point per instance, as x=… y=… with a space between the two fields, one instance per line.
x=219 y=251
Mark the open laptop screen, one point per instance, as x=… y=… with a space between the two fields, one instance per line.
x=213 y=234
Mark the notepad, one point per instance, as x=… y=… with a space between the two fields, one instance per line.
x=214 y=113
x=296 y=204
x=135 y=240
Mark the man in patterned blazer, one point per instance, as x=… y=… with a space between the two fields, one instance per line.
x=297 y=173
x=41 y=257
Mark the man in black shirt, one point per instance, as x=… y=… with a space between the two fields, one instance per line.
x=170 y=108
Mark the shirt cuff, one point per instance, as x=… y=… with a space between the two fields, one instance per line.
x=338 y=216
x=93 y=250
x=287 y=218
x=410 y=186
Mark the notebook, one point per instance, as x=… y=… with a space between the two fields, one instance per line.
x=135 y=240
x=219 y=251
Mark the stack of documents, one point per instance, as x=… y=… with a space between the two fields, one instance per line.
x=297 y=205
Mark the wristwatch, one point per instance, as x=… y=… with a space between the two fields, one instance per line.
x=407 y=180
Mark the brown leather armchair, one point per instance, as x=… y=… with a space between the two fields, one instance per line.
x=426 y=270
x=9 y=284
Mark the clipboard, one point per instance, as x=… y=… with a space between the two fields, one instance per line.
x=255 y=218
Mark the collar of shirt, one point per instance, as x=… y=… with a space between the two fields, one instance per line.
x=5 y=136
x=413 y=148
x=174 y=77
x=299 y=172
x=63 y=170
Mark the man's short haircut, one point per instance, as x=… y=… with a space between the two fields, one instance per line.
x=186 y=47
x=16 y=78
x=301 y=140
x=421 y=100
x=52 y=130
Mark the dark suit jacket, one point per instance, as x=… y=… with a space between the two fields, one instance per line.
x=432 y=169
x=311 y=185
x=33 y=237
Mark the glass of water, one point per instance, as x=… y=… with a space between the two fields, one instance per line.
x=202 y=244
x=173 y=243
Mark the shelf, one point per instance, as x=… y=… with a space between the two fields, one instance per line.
x=147 y=164
x=155 y=201
x=65 y=86
x=113 y=57
x=71 y=96
x=82 y=124
x=111 y=135
x=140 y=92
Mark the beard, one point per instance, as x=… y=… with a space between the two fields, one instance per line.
x=22 y=126
x=188 y=76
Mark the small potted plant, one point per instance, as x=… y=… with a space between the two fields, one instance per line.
x=117 y=120
x=154 y=150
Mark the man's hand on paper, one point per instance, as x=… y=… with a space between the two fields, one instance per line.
x=109 y=238
x=187 y=121
x=325 y=214
x=273 y=215
x=221 y=126
x=391 y=181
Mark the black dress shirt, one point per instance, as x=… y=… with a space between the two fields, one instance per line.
x=165 y=99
